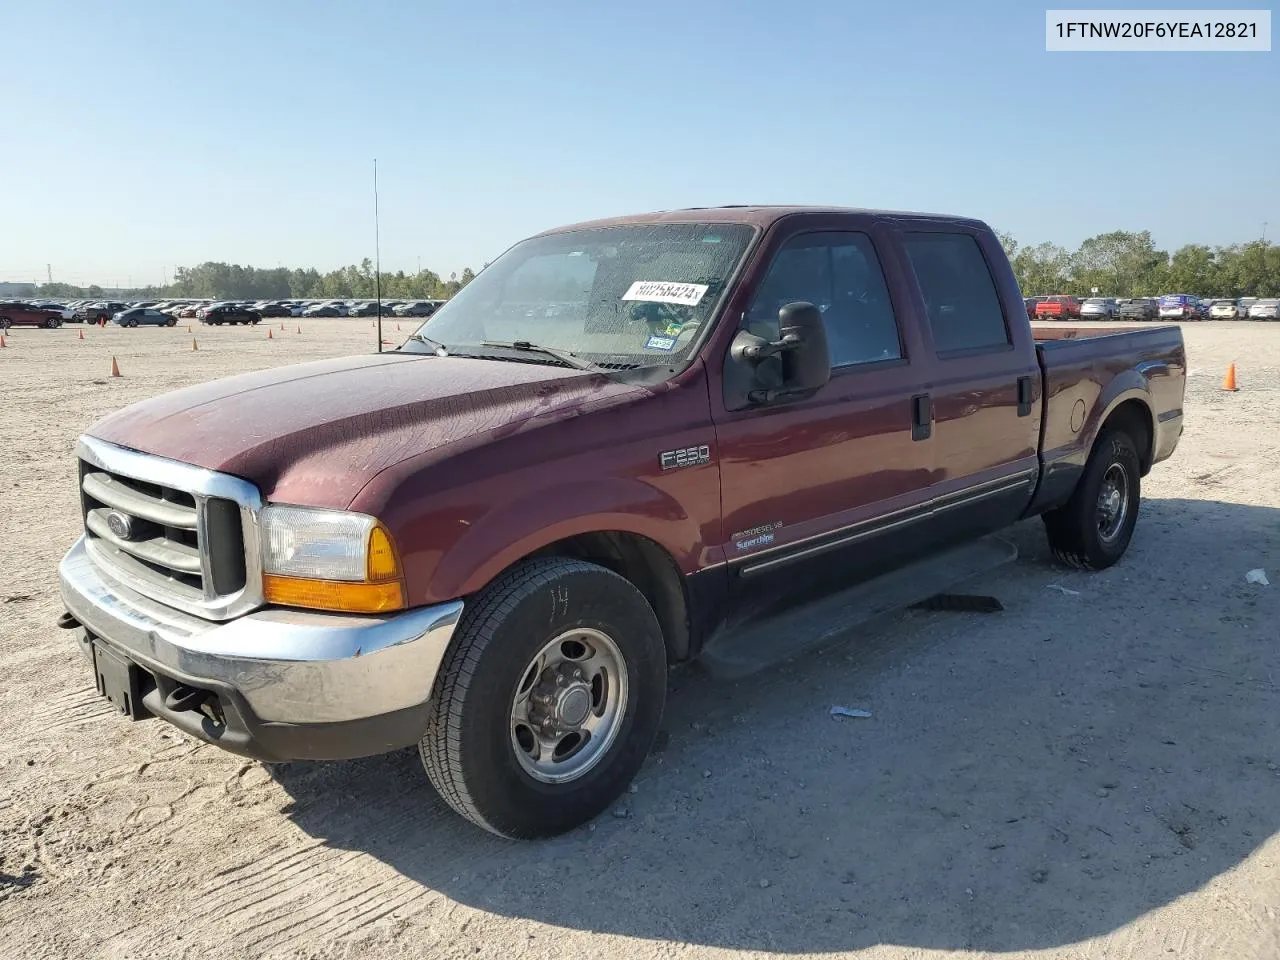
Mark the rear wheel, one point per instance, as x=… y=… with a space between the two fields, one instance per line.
x=1093 y=529
x=548 y=699
x=5 y=323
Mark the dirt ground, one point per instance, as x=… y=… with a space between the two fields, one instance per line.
x=1094 y=772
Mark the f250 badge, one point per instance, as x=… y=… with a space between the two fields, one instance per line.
x=685 y=457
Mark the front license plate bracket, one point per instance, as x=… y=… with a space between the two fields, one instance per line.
x=119 y=680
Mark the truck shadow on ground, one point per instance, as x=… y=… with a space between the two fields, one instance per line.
x=1028 y=779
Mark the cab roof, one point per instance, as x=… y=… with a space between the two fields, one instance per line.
x=761 y=215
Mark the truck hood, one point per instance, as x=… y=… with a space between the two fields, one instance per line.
x=316 y=433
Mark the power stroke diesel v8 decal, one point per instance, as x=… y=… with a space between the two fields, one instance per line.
x=685 y=457
x=760 y=536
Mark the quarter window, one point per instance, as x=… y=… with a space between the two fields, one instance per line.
x=840 y=274
x=959 y=293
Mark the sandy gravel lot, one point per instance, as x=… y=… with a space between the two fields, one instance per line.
x=1087 y=774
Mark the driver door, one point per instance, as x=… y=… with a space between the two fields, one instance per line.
x=820 y=493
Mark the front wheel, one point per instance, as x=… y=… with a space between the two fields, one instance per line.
x=1093 y=529
x=131 y=323
x=548 y=699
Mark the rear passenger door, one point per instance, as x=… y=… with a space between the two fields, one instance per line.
x=985 y=393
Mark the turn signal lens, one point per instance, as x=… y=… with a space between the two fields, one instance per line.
x=335 y=595
x=383 y=562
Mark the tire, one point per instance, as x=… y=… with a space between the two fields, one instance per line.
x=5 y=323
x=472 y=748
x=171 y=323
x=1084 y=533
x=131 y=323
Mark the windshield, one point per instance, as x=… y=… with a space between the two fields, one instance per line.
x=631 y=295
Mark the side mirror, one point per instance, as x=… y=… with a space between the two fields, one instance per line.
x=794 y=365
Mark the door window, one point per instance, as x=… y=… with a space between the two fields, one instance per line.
x=959 y=293
x=840 y=274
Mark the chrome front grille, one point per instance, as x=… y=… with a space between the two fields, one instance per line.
x=179 y=534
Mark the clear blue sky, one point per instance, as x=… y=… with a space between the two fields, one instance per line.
x=143 y=135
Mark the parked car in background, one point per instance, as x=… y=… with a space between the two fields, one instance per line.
x=1227 y=310
x=322 y=310
x=1178 y=306
x=14 y=314
x=66 y=311
x=228 y=313
x=369 y=310
x=1098 y=308
x=1138 y=308
x=271 y=309
x=1058 y=308
x=1267 y=309
x=143 y=317
x=417 y=308
x=100 y=311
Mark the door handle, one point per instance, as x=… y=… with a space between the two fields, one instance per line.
x=1025 y=391
x=921 y=417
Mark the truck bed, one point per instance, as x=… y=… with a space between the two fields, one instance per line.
x=1087 y=372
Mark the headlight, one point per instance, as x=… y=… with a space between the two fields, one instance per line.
x=329 y=560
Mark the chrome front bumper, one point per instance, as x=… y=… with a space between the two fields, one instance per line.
x=288 y=667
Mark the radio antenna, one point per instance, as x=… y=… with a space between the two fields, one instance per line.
x=377 y=253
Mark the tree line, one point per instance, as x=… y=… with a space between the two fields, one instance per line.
x=1123 y=264
x=230 y=281
x=1118 y=264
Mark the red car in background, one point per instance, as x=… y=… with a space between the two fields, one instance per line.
x=1058 y=308
x=25 y=315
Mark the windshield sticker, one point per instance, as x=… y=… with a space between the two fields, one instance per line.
x=659 y=291
x=656 y=342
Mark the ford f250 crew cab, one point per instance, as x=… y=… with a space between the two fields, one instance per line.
x=624 y=440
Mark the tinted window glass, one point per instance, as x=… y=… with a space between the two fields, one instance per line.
x=840 y=274
x=959 y=295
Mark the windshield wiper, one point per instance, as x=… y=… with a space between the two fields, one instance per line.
x=568 y=359
x=439 y=348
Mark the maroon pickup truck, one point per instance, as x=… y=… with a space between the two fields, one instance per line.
x=617 y=447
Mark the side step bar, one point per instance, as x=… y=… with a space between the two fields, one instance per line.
x=733 y=654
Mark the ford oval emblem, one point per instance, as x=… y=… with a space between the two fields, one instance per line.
x=121 y=524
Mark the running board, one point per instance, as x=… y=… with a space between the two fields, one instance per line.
x=738 y=653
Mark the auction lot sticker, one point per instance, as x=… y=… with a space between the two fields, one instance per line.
x=662 y=291
x=1157 y=31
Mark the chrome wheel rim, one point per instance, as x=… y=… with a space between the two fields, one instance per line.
x=568 y=706
x=1113 y=502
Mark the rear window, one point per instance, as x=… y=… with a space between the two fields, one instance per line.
x=959 y=293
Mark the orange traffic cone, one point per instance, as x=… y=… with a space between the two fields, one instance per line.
x=188 y=328
x=1229 y=381
x=115 y=368
x=282 y=325
x=82 y=333
x=2 y=343
x=397 y=326
x=193 y=344
x=299 y=330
